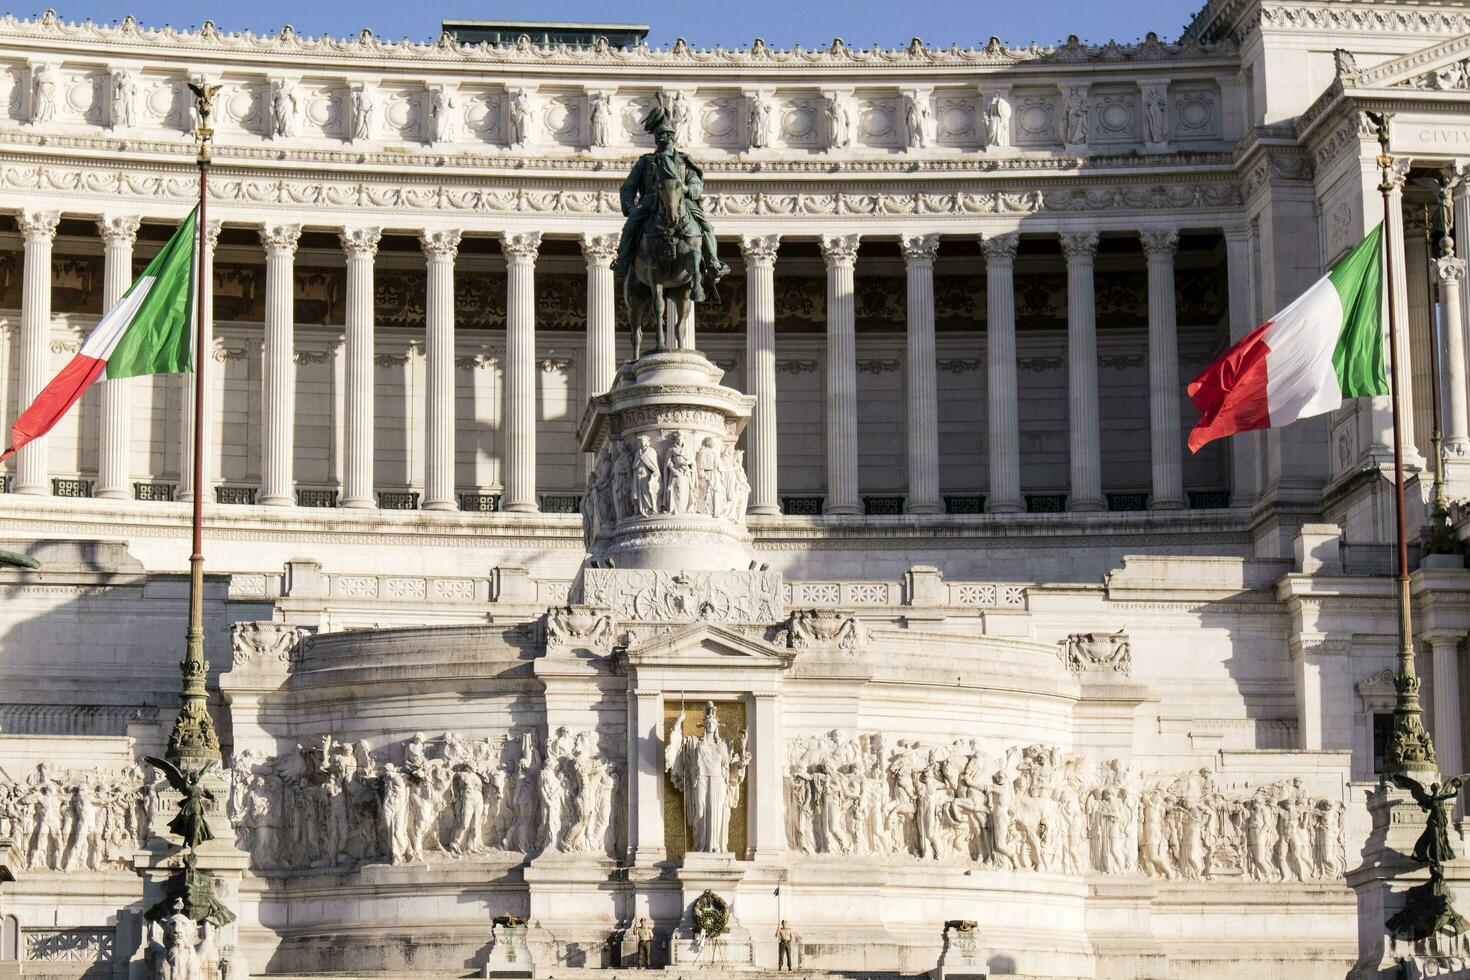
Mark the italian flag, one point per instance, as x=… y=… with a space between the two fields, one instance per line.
x=147 y=332
x=1325 y=347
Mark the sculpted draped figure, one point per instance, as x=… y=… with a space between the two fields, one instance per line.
x=709 y=771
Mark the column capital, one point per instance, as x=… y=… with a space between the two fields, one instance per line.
x=38 y=224
x=1433 y=637
x=760 y=249
x=211 y=233
x=521 y=246
x=1079 y=244
x=280 y=238
x=1398 y=172
x=840 y=249
x=599 y=249
x=440 y=243
x=1160 y=241
x=919 y=248
x=1000 y=247
x=1450 y=270
x=119 y=228
x=360 y=242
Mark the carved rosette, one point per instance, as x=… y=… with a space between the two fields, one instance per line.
x=668 y=487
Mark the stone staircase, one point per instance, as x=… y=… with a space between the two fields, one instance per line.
x=663 y=973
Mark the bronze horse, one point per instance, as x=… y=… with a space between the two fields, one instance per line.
x=665 y=268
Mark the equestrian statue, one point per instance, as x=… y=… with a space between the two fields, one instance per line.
x=667 y=249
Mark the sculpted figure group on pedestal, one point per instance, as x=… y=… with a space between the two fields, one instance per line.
x=1038 y=808
x=336 y=804
x=80 y=821
x=688 y=474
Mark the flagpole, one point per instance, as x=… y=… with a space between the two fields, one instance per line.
x=1410 y=748
x=193 y=741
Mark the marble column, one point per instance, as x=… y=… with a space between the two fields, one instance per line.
x=1084 y=434
x=118 y=233
x=211 y=396
x=1448 y=735
x=923 y=376
x=39 y=231
x=1244 y=449
x=602 y=347
x=1394 y=230
x=645 y=777
x=440 y=247
x=1163 y=371
x=840 y=252
x=1454 y=404
x=1004 y=452
x=279 y=382
x=520 y=372
x=768 y=797
x=760 y=358
x=361 y=248
x=1462 y=248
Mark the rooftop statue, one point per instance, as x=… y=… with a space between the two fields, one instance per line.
x=667 y=248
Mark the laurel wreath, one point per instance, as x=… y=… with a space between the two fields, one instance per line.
x=711 y=915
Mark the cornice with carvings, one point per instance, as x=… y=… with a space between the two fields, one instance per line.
x=445 y=51
x=1236 y=21
x=42 y=146
x=434 y=195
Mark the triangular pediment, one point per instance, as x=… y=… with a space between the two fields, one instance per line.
x=1439 y=67
x=706 y=645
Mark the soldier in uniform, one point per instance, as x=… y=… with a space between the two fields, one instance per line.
x=639 y=198
x=643 y=933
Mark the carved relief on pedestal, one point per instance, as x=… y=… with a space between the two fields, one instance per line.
x=265 y=644
x=332 y=804
x=1039 y=808
x=1096 y=651
x=80 y=820
x=667 y=483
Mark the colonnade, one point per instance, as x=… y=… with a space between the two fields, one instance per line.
x=440 y=246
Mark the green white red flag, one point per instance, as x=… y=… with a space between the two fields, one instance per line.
x=1325 y=347
x=145 y=332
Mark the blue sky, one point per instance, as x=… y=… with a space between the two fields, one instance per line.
x=780 y=22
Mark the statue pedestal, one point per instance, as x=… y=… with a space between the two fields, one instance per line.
x=962 y=957
x=158 y=863
x=510 y=953
x=688 y=947
x=668 y=488
x=1383 y=882
x=568 y=922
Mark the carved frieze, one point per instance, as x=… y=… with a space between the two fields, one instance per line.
x=1039 y=808
x=685 y=597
